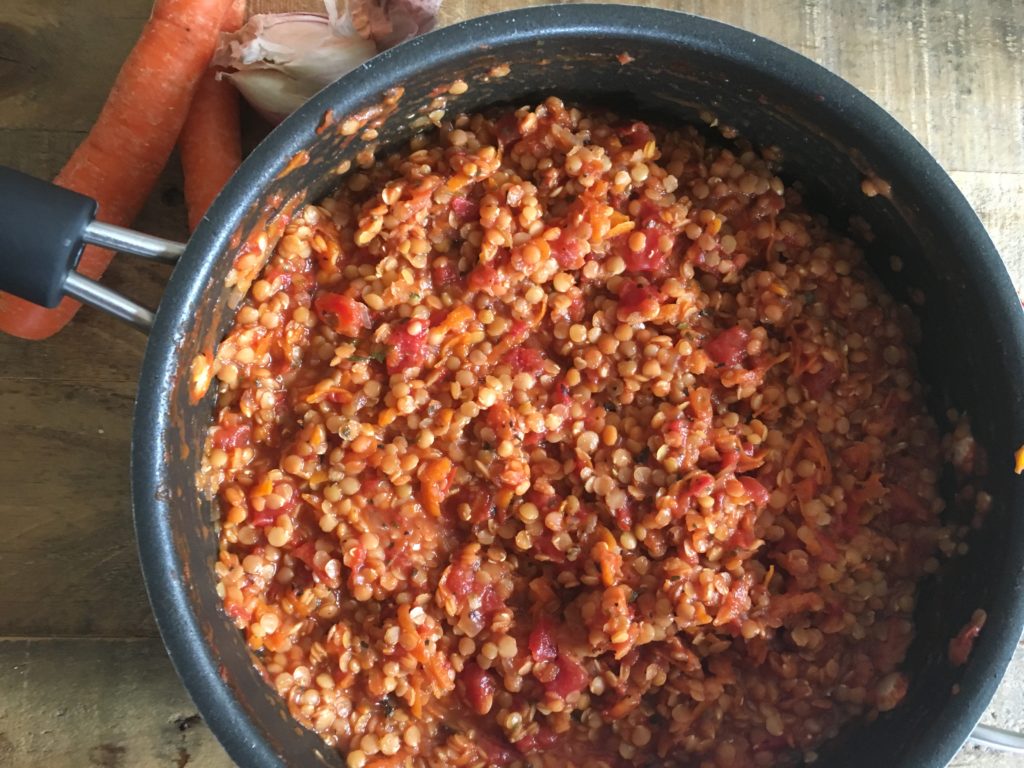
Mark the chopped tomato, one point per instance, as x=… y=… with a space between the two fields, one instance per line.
x=819 y=383
x=465 y=208
x=460 y=579
x=650 y=257
x=729 y=347
x=624 y=515
x=344 y=314
x=537 y=741
x=542 y=640
x=757 y=492
x=444 y=274
x=567 y=251
x=229 y=436
x=525 y=360
x=482 y=277
x=635 y=135
x=507 y=129
x=571 y=677
x=635 y=298
x=478 y=687
x=408 y=349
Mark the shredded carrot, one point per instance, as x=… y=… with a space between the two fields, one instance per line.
x=120 y=160
x=210 y=143
x=817 y=453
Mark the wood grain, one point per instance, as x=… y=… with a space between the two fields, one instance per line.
x=951 y=72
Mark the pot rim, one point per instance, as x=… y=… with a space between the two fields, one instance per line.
x=154 y=429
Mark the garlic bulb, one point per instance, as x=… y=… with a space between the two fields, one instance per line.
x=278 y=61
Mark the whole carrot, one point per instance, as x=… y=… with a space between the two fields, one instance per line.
x=120 y=160
x=210 y=142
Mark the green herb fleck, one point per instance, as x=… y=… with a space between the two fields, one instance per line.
x=377 y=355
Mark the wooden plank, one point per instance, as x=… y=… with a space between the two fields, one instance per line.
x=67 y=558
x=998 y=198
x=102 y=703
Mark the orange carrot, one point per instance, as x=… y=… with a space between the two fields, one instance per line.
x=210 y=144
x=120 y=160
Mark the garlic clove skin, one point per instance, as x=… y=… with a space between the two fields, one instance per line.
x=390 y=22
x=274 y=95
x=277 y=61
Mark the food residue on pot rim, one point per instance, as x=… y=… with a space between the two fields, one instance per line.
x=873 y=186
x=960 y=647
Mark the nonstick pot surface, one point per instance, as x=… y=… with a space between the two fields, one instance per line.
x=664 y=67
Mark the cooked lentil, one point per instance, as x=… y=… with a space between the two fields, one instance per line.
x=562 y=440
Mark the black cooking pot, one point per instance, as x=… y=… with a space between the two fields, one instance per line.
x=667 y=67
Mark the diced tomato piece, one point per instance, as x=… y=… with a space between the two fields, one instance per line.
x=482 y=277
x=567 y=252
x=408 y=350
x=819 y=383
x=635 y=135
x=571 y=678
x=735 y=605
x=517 y=332
x=490 y=601
x=478 y=687
x=497 y=753
x=542 y=640
x=624 y=515
x=230 y=436
x=526 y=360
x=264 y=517
x=507 y=129
x=729 y=347
x=650 y=258
x=445 y=274
x=757 y=492
x=465 y=208
x=696 y=487
x=537 y=741
x=344 y=314
x=460 y=579
x=645 y=299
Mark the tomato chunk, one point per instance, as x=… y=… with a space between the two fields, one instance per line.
x=729 y=347
x=639 y=299
x=230 y=436
x=571 y=678
x=819 y=383
x=542 y=640
x=444 y=274
x=478 y=687
x=344 y=314
x=408 y=347
x=525 y=359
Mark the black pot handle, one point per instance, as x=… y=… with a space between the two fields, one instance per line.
x=43 y=230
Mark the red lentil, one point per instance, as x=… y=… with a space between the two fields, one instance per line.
x=567 y=441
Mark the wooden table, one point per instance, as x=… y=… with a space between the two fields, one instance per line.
x=83 y=676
